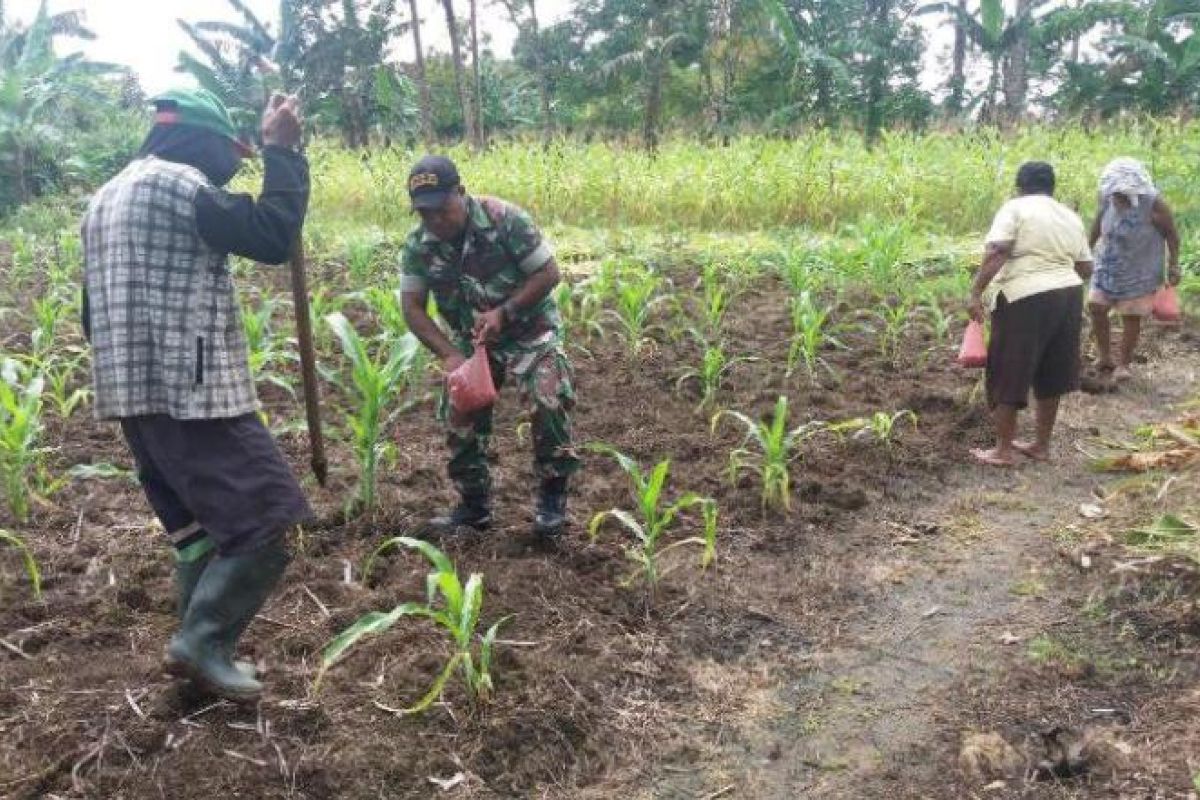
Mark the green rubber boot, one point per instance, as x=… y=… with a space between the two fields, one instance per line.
x=187 y=575
x=225 y=598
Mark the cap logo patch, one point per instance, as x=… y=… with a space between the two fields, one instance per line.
x=422 y=180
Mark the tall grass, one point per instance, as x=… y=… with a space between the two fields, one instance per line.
x=951 y=181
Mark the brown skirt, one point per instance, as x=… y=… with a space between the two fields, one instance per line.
x=1035 y=344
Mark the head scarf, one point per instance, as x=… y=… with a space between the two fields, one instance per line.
x=209 y=152
x=1126 y=176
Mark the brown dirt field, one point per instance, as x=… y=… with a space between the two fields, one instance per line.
x=840 y=650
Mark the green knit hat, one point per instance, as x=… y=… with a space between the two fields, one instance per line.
x=201 y=108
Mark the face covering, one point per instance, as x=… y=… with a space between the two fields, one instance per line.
x=209 y=152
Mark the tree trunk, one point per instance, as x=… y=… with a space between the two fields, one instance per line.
x=880 y=12
x=456 y=53
x=1016 y=67
x=426 y=100
x=543 y=78
x=477 y=92
x=655 y=64
x=958 y=73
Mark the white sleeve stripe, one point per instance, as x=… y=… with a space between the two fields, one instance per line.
x=412 y=283
x=537 y=259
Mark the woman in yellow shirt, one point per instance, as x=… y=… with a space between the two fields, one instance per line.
x=1036 y=260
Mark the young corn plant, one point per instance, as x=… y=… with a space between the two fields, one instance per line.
x=376 y=381
x=268 y=349
x=580 y=309
x=385 y=303
x=889 y=325
x=634 y=302
x=654 y=517
x=768 y=450
x=881 y=426
x=62 y=373
x=20 y=431
x=448 y=603
x=31 y=565
x=715 y=297
x=809 y=335
x=709 y=375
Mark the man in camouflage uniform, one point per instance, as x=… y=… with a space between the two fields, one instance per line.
x=492 y=275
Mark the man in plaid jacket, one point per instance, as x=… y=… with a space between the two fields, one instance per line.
x=169 y=362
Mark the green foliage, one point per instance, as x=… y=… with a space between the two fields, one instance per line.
x=20 y=435
x=633 y=301
x=31 y=565
x=710 y=374
x=455 y=607
x=654 y=516
x=881 y=426
x=376 y=380
x=768 y=450
x=810 y=334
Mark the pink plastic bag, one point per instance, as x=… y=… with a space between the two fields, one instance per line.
x=973 y=352
x=471 y=386
x=1166 y=305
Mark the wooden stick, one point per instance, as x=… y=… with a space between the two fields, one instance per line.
x=308 y=363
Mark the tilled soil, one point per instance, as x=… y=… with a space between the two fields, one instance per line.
x=823 y=642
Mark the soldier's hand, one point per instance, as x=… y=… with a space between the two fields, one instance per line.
x=453 y=362
x=281 y=122
x=488 y=326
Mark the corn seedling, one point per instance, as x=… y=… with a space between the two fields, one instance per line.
x=809 y=334
x=633 y=305
x=31 y=566
x=457 y=613
x=61 y=374
x=580 y=309
x=710 y=374
x=20 y=429
x=360 y=260
x=267 y=348
x=654 y=517
x=715 y=298
x=376 y=380
x=385 y=303
x=880 y=426
x=768 y=451
x=889 y=326
x=49 y=311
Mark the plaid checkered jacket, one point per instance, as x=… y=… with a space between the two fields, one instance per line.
x=166 y=331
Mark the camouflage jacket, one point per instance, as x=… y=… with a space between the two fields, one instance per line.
x=501 y=248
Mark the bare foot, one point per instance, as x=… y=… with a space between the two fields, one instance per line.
x=1122 y=374
x=1032 y=450
x=992 y=457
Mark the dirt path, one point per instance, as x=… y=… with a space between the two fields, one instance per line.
x=973 y=577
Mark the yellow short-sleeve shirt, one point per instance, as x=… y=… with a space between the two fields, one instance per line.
x=1047 y=239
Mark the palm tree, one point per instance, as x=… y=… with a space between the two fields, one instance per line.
x=533 y=29
x=1005 y=42
x=35 y=87
x=233 y=62
x=464 y=101
x=422 y=80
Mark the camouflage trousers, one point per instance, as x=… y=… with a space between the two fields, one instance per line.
x=543 y=377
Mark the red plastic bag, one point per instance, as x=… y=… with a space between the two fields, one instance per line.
x=973 y=352
x=1166 y=305
x=471 y=386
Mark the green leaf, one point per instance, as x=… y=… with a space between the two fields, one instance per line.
x=435 y=691
x=31 y=566
x=368 y=624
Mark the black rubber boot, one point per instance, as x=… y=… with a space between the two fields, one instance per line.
x=550 y=518
x=187 y=575
x=473 y=511
x=228 y=594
